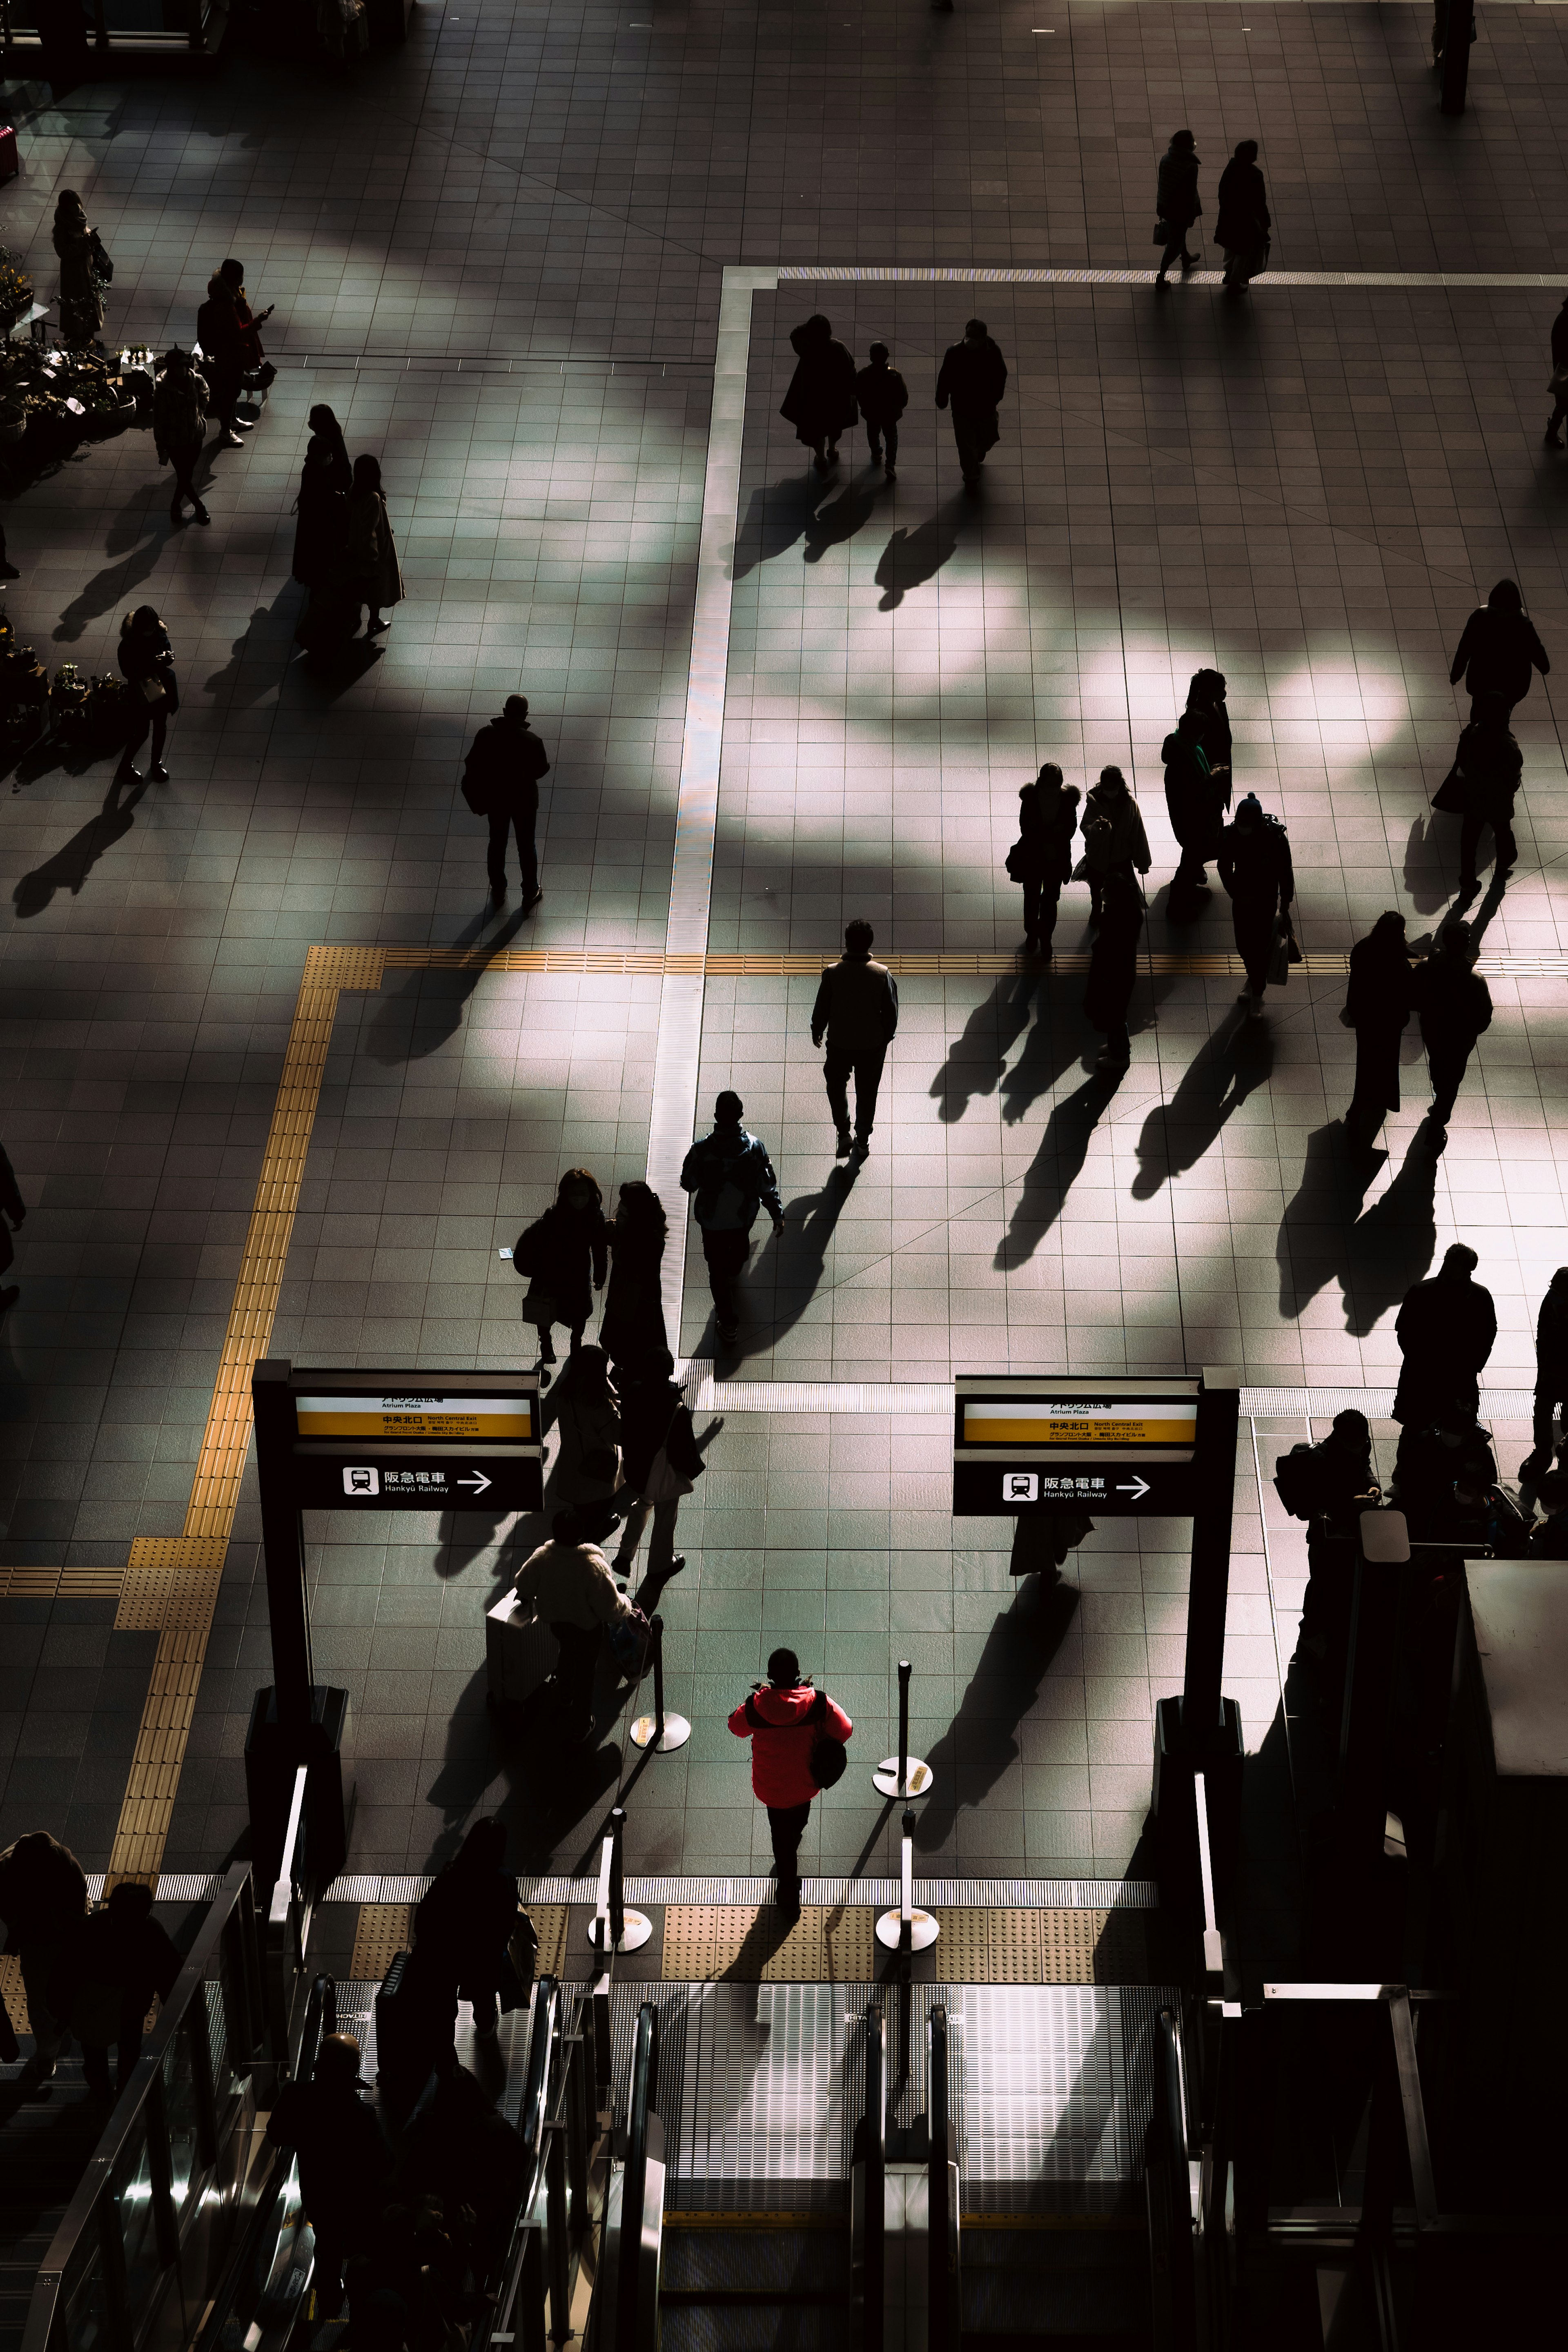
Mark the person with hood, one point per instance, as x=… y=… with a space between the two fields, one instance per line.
x=43 y=1900
x=663 y=1463
x=1176 y=203
x=1558 y=387
x=123 y=1957
x=1453 y=1006
x=1550 y=1377
x=1114 y=969
x=857 y=1009
x=558 y=1255
x=179 y=429
x=321 y=535
x=1497 y=649
x=883 y=396
x=1446 y=1327
x=1378 y=1002
x=731 y=1176
x=820 y=401
x=567 y=1584
x=373 y=573
x=85 y=271
x=1205 y=695
x=1041 y=857
x=345 y=2162
x=1241 y=230
x=1193 y=798
x=463 y=1928
x=1256 y=869
x=1490 y=763
x=501 y=776
x=971 y=380
x=1114 y=841
x=633 y=1321
x=783 y=1719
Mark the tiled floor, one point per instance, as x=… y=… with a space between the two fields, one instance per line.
x=1309 y=487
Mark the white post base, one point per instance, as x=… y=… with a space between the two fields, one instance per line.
x=916 y=1780
x=923 y=1929
x=677 y=1732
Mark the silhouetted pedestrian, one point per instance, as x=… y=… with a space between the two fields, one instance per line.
x=857 y=1009
x=1242 y=224
x=883 y=396
x=1255 y=867
x=1337 y=1475
x=783 y=1719
x=972 y=378
x=1551 y=1376
x=85 y=272
x=179 y=429
x=1205 y=695
x=633 y=1321
x=320 y=534
x=1497 y=649
x=458 y=2150
x=1113 y=968
x=344 y=2160
x=43 y=1900
x=1176 y=203
x=1490 y=763
x=663 y=1464
x=1378 y=1002
x=1558 y=387
x=1446 y=1328
x=558 y=1255
x=463 y=1925
x=1041 y=857
x=147 y=665
x=820 y=401
x=1455 y=1007
x=501 y=777
x=373 y=573
x=587 y=1415
x=1114 y=841
x=13 y=1216
x=1193 y=801
x=123 y=1957
x=731 y=1176
x=1549 y=1540
x=567 y=1583
x=1444 y=1466
x=229 y=333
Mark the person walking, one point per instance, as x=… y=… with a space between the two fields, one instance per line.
x=633 y=1321
x=783 y=1719
x=1453 y=1006
x=123 y=1957
x=85 y=271
x=1205 y=695
x=1193 y=803
x=1256 y=869
x=568 y=1584
x=1176 y=203
x=662 y=1466
x=228 y=331
x=557 y=1255
x=1490 y=763
x=1242 y=226
x=43 y=1900
x=587 y=1413
x=1497 y=649
x=179 y=429
x=973 y=378
x=1558 y=387
x=1114 y=841
x=857 y=1009
x=882 y=396
x=374 y=574
x=1445 y=1329
x=731 y=1177
x=147 y=664
x=1114 y=969
x=345 y=2162
x=320 y=534
x=1041 y=857
x=463 y=1924
x=501 y=776
x=13 y=1216
x=1378 y=1002
x=820 y=401
x=1551 y=1378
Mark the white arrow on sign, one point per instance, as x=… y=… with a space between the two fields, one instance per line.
x=477 y=1480
x=1139 y=1486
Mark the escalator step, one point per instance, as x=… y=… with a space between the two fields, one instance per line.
x=778 y=2265
x=690 y=2328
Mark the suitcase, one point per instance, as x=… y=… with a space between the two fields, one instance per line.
x=404 y=2044
x=10 y=160
x=520 y=1652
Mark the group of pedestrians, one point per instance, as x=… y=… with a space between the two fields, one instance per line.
x=827 y=395
x=87 y=1970
x=1242 y=228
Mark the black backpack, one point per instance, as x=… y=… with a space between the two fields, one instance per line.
x=1298 y=1482
x=827 y=1761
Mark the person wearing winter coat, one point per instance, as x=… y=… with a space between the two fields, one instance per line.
x=1255 y=866
x=1497 y=649
x=1378 y=1002
x=1176 y=203
x=374 y=576
x=882 y=396
x=820 y=401
x=1205 y=695
x=179 y=429
x=1551 y=1375
x=632 y=1326
x=1241 y=228
x=856 y=1009
x=85 y=271
x=588 y=1423
x=123 y=1958
x=1490 y=762
x=344 y=2160
x=1446 y=1328
x=730 y=1173
x=462 y=1928
x=971 y=381
x=567 y=1583
x=1114 y=841
x=1114 y=969
x=321 y=535
x=1041 y=857
x=1192 y=800
x=783 y=1719
x=662 y=1462
x=228 y=332
x=501 y=776
x=147 y=666
x=558 y=1255
x=43 y=1900
x=1453 y=1005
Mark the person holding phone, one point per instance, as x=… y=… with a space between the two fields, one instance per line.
x=147 y=664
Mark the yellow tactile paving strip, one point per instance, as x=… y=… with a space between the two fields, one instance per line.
x=61 y=1584
x=946 y=963
x=385 y=1929
x=750 y=1943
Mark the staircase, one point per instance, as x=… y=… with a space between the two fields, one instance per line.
x=46 y=2136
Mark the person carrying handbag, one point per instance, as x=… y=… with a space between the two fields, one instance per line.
x=557 y=1255
x=662 y=1464
x=147 y=664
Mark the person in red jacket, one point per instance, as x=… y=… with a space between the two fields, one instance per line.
x=783 y=1719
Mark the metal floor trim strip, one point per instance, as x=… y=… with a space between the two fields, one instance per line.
x=947 y=1893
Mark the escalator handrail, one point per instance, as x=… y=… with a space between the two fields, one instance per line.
x=939 y=2220
x=634 y=2178
x=534 y=2119
x=876 y=2146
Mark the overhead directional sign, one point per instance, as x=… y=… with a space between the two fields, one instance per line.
x=1113 y=1447
x=391 y=1441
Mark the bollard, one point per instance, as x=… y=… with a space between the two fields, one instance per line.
x=614 y=1928
x=907 y=1929
x=659 y=1731
x=902 y=1775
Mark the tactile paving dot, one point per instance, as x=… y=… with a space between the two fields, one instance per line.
x=381 y=1932
x=751 y=1943
x=550 y=1925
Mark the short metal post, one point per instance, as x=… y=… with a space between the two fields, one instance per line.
x=614 y=1928
x=873 y=2238
x=558 y=2251
x=1219 y=1406
x=659 y=1731
x=902 y=1775
x=604 y=2043
x=617 y=1877
x=907 y=1929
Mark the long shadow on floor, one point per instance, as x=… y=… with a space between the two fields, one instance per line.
x=1375 y=1257
x=788 y=1273
x=977 y=1058
x=1228 y=1067
x=1055 y=1167
x=836 y=523
x=68 y=868
x=981 y=1742
x=912 y=557
x=776 y=517
x=550 y=1793
x=427 y=1008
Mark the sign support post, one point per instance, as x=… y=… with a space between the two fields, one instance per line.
x=288 y=1603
